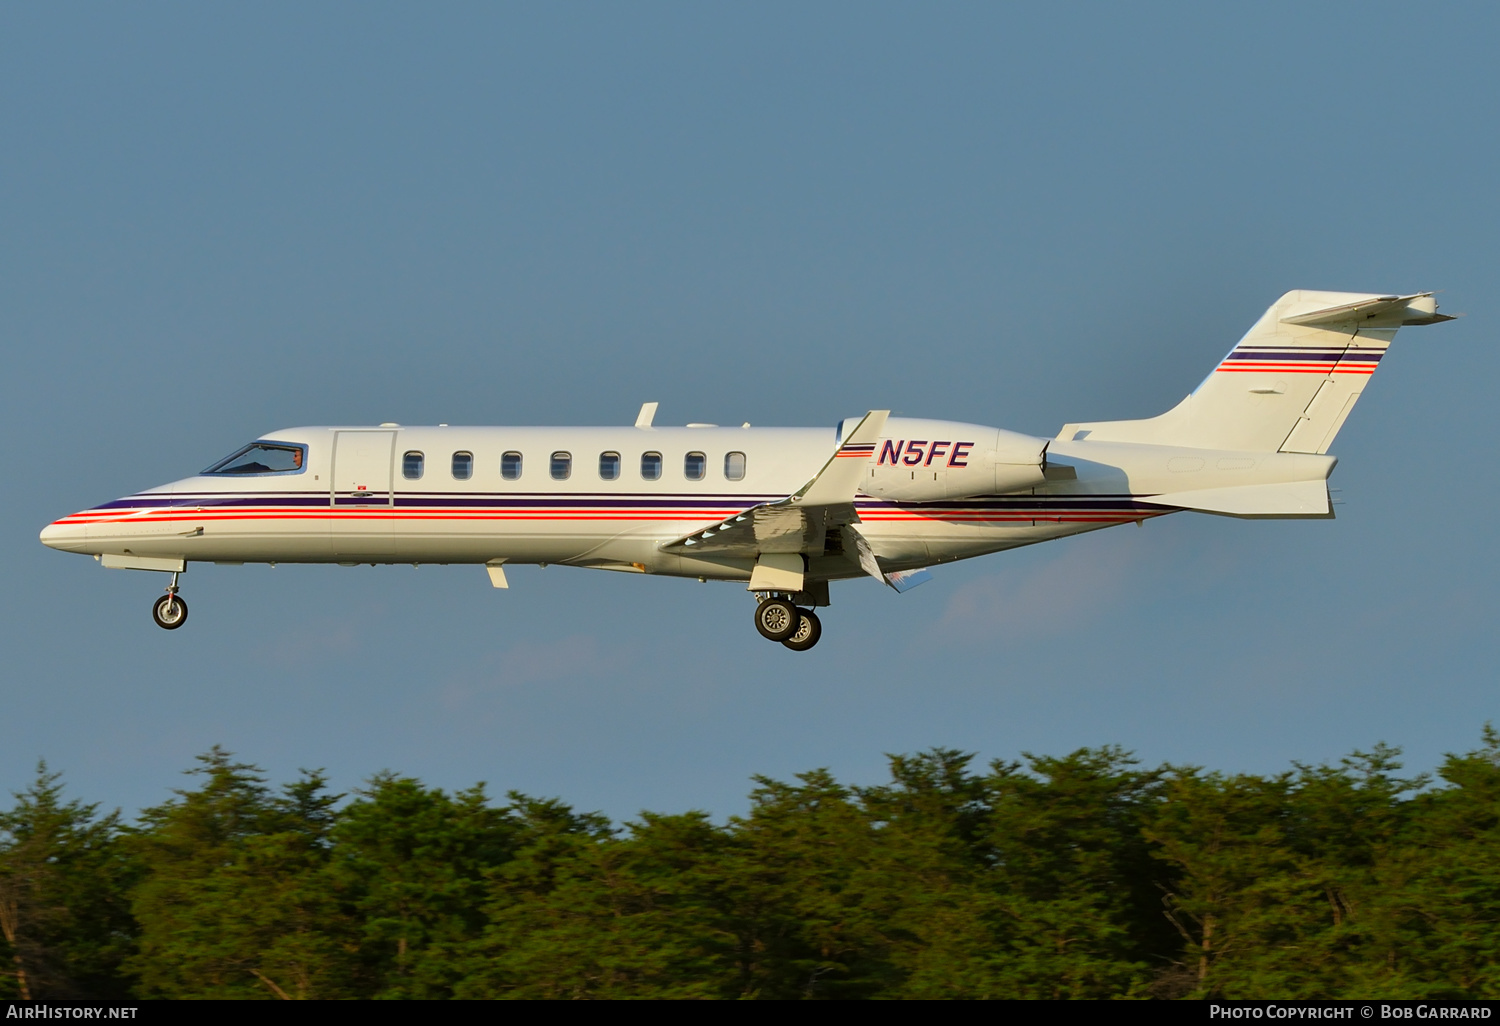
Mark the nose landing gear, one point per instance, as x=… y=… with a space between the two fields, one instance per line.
x=170 y=611
x=778 y=620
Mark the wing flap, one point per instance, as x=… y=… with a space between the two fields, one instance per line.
x=901 y=580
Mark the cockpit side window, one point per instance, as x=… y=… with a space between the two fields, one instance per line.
x=263 y=458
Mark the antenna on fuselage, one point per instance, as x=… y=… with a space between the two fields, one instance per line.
x=646 y=416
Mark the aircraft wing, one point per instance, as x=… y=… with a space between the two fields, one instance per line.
x=800 y=522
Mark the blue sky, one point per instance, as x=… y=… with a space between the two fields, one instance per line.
x=220 y=221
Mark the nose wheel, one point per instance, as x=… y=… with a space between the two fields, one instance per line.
x=779 y=620
x=170 y=611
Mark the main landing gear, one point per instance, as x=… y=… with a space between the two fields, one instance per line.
x=779 y=620
x=170 y=611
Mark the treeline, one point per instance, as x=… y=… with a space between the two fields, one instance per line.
x=1083 y=876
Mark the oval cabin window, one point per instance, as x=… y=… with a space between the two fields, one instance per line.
x=694 y=465
x=463 y=465
x=651 y=466
x=562 y=466
x=510 y=466
x=734 y=466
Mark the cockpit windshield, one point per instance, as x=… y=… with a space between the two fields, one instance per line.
x=261 y=458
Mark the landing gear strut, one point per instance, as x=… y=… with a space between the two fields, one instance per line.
x=778 y=619
x=170 y=611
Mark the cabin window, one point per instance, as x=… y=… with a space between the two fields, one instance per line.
x=510 y=466
x=651 y=466
x=411 y=466
x=262 y=458
x=463 y=465
x=562 y=466
x=609 y=465
x=694 y=465
x=734 y=466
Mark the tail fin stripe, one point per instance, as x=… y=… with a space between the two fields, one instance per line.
x=1274 y=368
x=1243 y=356
x=1280 y=368
x=1240 y=355
x=1288 y=349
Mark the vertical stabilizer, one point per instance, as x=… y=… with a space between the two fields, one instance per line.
x=1291 y=381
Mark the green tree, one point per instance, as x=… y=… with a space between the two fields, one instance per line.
x=1078 y=876
x=412 y=863
x=236 y=900
x=1074 y=913
x=1277 y=890
x=1437 y=894
x=582 y=913
x=805 y=927
x=65 y=924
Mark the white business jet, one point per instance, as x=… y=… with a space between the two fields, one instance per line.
x=782 y=510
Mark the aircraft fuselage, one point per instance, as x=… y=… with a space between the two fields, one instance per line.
x=359 y=498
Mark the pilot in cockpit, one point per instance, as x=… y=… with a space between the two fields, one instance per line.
x=261 y=458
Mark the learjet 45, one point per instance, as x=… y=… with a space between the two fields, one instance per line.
x=783 y=511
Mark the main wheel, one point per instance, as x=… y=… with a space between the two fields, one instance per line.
x=776 y=619
x=170 y=612
x=808 y=631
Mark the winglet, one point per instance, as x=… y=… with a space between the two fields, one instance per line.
x=646 y=416
x=840 y=477
x=799 y=523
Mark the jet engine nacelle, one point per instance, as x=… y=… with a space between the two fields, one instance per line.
x=928 y=460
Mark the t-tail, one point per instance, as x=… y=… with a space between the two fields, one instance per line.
x=1289 y=384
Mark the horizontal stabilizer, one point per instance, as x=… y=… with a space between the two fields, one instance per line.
x=1377 y=311
x=1288 y=500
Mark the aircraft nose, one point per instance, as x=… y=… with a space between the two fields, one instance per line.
x=68 y=537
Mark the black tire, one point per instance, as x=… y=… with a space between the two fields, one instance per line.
x=776 y=619
x=170 y=612
x=808 y=631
